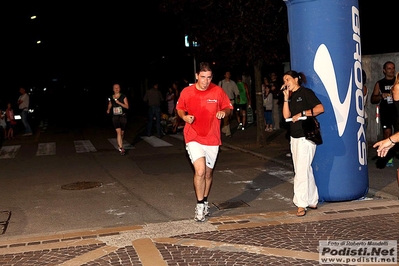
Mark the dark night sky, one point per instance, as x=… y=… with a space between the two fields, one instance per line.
x=85 y=40
x=119 y=40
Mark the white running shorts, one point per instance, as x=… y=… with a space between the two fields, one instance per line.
x=196 y=150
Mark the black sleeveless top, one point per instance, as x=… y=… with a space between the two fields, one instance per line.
x=385 y=87
x=117 y=109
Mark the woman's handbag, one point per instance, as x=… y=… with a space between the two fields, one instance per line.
x=311 y=127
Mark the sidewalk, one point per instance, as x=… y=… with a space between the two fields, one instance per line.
x=382 y=182
x=272 y=238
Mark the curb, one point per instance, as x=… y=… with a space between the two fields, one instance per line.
x=372 y=193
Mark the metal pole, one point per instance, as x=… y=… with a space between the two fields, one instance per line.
x=195 y=70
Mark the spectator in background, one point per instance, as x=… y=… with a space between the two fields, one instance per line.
x=267 y=104
x=301 y=101
x=10 y=121
x=176 y=91
x=231 y=89
x=3 y=124
x=277 y=101
x=241 y=103
x=153 y=97
x=384 y=146
x=268 y=108
x=395 y=95
x=23 y=105
x=365 y=96
x=382 y=95
x=176 y=120
x=170 y=101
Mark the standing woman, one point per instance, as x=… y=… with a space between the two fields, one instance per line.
x=119 y=104
x=170 y=100
x=10 y=121
x=300 y=101
x=268 y=108
x=383 y=146
x=395 y=96
x=365 y=97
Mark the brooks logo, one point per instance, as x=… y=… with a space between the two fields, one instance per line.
x=323 y=66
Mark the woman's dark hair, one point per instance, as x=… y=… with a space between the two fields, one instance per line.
x=301 y=77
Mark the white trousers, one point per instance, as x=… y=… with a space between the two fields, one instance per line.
x=305 y=189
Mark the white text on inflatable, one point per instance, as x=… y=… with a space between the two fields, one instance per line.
x=357 y=56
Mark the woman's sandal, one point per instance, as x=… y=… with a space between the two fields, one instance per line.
x=301 y=212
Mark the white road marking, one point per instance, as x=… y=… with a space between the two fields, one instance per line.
x=8 y=152
x=126 y=145
x=82 y=146
x=156 y=142
x=46 y=149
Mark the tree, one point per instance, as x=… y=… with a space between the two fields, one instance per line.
x=237 y=33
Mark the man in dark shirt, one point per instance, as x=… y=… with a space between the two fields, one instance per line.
x=153 y=97
x=278 y=99
x=382 y=95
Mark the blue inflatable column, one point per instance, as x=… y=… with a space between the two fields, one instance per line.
x=324 y=38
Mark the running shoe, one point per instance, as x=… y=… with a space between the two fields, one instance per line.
x=206 y=209
x=239 y=126
x=199 y=212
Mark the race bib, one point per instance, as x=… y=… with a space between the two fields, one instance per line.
x=117 y=110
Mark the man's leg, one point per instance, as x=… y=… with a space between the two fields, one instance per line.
x=203 y=159
x=24 y=118
x=200 y=187
x=208 y=181
x=200 y=178
x=158 y=121
x=244 y=118
x=238 y=114
x=150 y=119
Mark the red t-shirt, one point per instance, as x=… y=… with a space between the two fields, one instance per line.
x=203 y=105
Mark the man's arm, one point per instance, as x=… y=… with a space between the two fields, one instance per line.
x=376 y=97
x=223 y=113
x=181 y=113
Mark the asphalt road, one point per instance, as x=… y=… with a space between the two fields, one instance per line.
x=60 y=189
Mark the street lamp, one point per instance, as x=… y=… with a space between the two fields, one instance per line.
x=189 y=43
